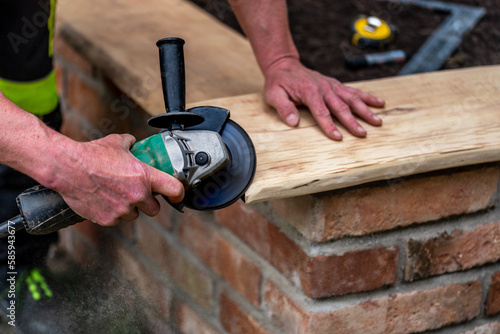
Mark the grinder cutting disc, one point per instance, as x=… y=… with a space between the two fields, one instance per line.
x=229 y=184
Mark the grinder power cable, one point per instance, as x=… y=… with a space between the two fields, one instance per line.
x=209 y=153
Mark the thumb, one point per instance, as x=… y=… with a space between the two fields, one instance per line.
x=165 y=184
x=278 y=99
x=127 y=140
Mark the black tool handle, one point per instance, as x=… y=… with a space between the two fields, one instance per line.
x=11 y=226
x=44 y=211
x=173 y=78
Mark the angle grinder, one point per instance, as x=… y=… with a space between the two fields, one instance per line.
x=210 y=154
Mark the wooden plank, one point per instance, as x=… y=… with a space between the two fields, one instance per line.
x=119 y=37
x=431 y=121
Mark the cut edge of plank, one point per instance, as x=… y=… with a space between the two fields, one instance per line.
x=357 y=176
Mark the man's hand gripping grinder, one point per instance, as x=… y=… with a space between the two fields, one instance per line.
x=209 y=153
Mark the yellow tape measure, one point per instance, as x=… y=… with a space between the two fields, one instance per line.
x=372 y=32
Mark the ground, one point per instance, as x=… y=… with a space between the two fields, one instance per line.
x=321 y=31
x=87 y=299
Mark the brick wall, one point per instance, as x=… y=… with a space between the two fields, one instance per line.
x=399 y=256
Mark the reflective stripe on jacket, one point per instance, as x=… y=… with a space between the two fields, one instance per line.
x=26 y=72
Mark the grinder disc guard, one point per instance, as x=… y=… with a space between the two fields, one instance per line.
x=229 y=184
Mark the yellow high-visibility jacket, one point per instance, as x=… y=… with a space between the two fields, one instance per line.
x=27 y=75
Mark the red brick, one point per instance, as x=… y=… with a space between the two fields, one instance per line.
x=189 y=322
x=60 y=78
x=409 y=312
x=155 y=324
x=318 y=276
x=90 y=230
x=418 y=311
x=64 y=51
x=125 y=109
x=85 y=99
x=458 y=250
x=88 y=97
x=492 y=306
x=153 y=291
x=73 y=127
x=194 y=280
x=166 y=215
x=104 y=110
x=221 y=256
x=78 y=247
x=236 y=321
x=361 y=211
x=366 y=317
x=127 y=229
x=250 y=226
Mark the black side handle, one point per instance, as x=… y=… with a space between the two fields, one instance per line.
x=173 y=78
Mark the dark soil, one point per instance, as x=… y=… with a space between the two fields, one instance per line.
x=322 y=28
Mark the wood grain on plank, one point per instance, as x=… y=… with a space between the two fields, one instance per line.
x=119 y=37
x=431 y=121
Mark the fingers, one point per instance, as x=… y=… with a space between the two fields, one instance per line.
x=278 y=98
x=359 y=101
x=131 y=215
x=166 y=185
x=123 y=140
x=344 y=112
x=344 y=103
x=127 y=213
x=128 y=140
x=370 y=99
x=144 y=201
x=326 y=99
x=322 y=115
x=161 y=183
x=114 y=216
x=112 y=186
x=289 y=84
x=150 y=206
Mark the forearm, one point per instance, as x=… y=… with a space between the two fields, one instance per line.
x=29 y=146
x=265 y=23
x=289 y=83
x=100 y=180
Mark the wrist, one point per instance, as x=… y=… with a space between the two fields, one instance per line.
x=60 y=157
x=285 y=61
x=31 y=147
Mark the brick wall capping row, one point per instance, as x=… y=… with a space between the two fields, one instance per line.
x=119 y=37
x=432 y=121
